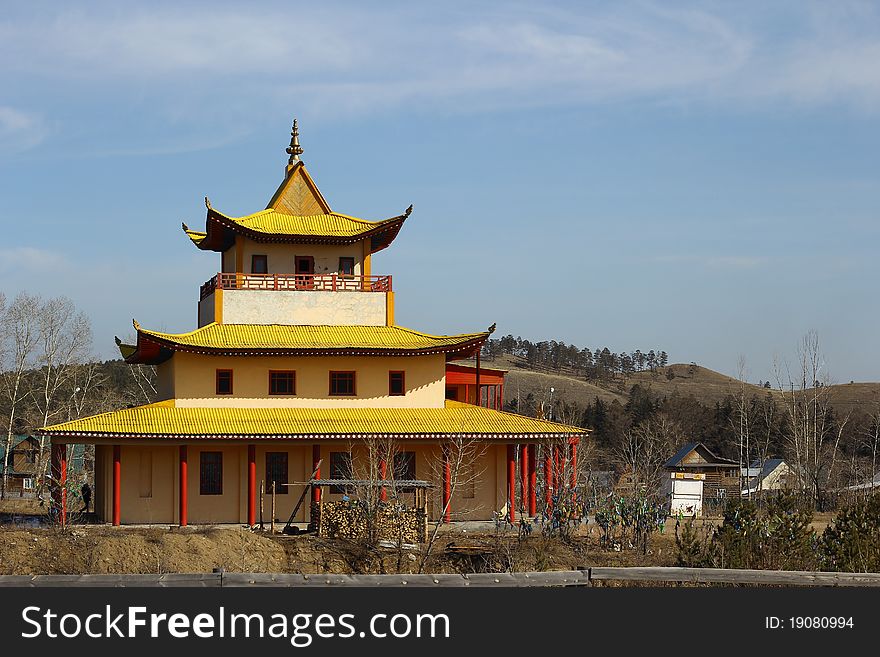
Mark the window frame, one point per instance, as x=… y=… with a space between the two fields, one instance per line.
x=255 y=258
x=203 y=487
x=391 y=374
x=346 y=259
x=217 y=374
x=353 y=392
x=334 y=470
x=281 y=488
x=292 y=393
x=403 y=459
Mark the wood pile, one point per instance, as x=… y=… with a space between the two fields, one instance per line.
x=353 y=520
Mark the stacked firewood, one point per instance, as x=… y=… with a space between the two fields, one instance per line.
x=352 y=519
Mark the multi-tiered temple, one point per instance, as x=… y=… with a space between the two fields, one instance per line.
x=297 y=361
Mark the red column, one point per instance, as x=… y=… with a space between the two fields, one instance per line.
x=63 y=482
x=184 y=488
x=574 y=461
x=532 y=458
x=477 y=381
x=59 y=481
x=511 y=482
x=548 y=477
x=523 y=478
x=117 y=472
x=447 y=486
x=316 y=458
x=383 y=473
x=252 y=486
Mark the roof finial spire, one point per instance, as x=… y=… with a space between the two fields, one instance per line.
x=294 y=150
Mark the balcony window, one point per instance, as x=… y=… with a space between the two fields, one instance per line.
x=259 y=264
x=342 y=383
x=346 y=266
x=282 y=382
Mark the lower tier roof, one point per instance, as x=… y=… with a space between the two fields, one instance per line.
x=165 y=420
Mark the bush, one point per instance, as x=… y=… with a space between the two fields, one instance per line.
x=790 y=542
x=629 y=521
x=779 y=539
x=851 y=543
x=694 y=550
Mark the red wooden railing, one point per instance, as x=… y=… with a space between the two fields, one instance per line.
x=318 y=282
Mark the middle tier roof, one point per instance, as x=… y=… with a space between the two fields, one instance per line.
x=278 y=339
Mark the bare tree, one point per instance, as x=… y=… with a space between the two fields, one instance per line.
x=742 y=422
x=458 y=457
x=65 y=341
x=813 y=433
x=644 y=450
x=19 y=332
x=870 y=435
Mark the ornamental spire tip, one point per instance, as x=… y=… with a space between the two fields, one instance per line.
x=294 y=150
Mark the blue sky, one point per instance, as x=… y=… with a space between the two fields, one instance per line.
x=696 y=177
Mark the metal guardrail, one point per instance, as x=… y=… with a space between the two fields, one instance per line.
x=563 y=578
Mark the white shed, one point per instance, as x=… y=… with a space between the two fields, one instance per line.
x=684 y=491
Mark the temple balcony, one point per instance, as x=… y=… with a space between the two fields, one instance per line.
x=237 y=298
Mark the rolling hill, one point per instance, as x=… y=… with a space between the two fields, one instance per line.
x=705 y=385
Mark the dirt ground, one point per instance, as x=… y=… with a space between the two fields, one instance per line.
x=29 y=550
x=103 y=549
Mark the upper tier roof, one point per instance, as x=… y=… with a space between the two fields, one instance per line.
x=277 y=339
x=165 y=420
x=297 y=213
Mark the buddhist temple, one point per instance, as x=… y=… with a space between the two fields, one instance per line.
x=296 y=363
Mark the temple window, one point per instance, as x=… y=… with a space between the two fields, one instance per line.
x=346 y=266
x=282 y=382
x=340 y=468
x=211 y=473
x=342 y=383
x=396 y=384
x=404 y=469
x=276 y=472
x=224 y=382
x=259 y=264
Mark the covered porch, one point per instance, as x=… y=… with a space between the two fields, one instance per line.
x=216 y=482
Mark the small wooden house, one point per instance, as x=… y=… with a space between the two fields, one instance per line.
x=22 y=465
x=772 y=475
x=722 y=476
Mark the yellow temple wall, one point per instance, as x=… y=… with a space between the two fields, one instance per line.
x=165 y=380
x=194 y=381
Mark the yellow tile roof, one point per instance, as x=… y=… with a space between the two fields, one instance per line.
x=166 y=420
x=196 y=236
x=229 y=338
x=333 y=224
x=275 y=226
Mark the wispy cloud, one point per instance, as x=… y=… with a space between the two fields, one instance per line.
x=30 y=259
x=213 y=66
x=716 y=261
x=20 y=130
